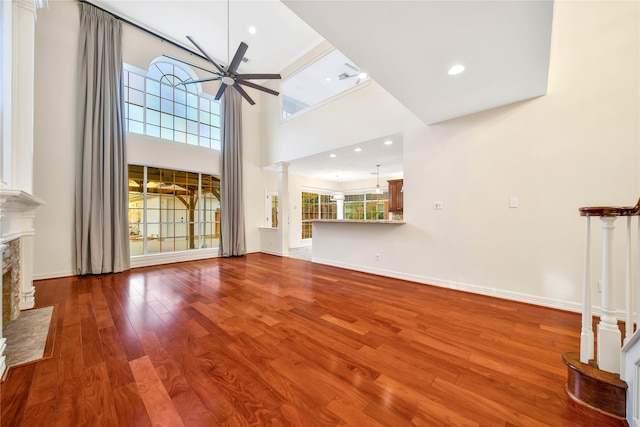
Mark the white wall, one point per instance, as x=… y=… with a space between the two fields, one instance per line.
x=55 y=138
x=360 y=114
x=57 y=32
x=577 y=146
x=253 y=144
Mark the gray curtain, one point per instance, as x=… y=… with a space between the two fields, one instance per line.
x=102 y=232
x=232 y=238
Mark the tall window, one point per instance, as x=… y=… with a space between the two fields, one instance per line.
x=310 y=210
x=157 y=105
x=271 y=209
x=171 y=210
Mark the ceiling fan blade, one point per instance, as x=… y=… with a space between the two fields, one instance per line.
x=190 y=82
x=353 y=67
x=255 y=86
x=244 y=94
x=206 y=55
x=258 y=76
x=220 y=91
x=237 y=58
x=190 y=64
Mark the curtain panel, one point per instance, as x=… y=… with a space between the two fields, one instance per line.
x=101 y=199
x=232 y=232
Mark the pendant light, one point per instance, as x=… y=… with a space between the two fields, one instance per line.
x=378 y=190
x=337 y=195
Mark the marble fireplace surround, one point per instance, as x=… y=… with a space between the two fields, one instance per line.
x=10 y=281
x=17 y=215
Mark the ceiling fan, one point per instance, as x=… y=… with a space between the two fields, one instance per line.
x=360 y=75
x=229 y=75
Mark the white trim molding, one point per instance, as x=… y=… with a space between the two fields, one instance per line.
x=575 y=307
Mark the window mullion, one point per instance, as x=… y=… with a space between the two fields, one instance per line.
x=144 y=211
x=201 y=219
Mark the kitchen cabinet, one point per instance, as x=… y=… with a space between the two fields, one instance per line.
x=395 y=195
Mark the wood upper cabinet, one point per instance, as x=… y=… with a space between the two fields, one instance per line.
x=395 y=195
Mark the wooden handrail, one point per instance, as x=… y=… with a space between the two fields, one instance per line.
x=611 y=210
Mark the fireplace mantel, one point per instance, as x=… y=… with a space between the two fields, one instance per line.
x=18 y=200
x=17 y=209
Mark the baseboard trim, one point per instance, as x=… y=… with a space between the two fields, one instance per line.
x=467 y=287
x=172 y=257
x=55 y=275
x=271 y=252
x=300 y=245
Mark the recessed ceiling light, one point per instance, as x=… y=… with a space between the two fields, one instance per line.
x=456 y=69
x=252 y=30
x=328 y=79
x=388 y=142
x=362 y=76
x=357 y=150
x=332 y=155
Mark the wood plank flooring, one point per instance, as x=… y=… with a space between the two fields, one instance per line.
x=264 y=340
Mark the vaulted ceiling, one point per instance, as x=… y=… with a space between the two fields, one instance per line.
x=407 y=47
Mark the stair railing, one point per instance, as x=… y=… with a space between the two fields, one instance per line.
x=608 y=334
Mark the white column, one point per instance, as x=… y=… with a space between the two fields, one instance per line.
x=6 y=90
x=283 y=207
x=608 y=333
x=340 y=209
x=22 y=79
x=586 y=335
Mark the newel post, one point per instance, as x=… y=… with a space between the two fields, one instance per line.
x=609 y=336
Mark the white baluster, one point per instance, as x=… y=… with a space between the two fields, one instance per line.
x=628 y=327
x=608 y=332
x=586 y=335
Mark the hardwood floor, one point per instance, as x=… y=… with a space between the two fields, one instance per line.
x=264 y=340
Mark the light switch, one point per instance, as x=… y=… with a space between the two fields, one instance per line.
x=513 y=202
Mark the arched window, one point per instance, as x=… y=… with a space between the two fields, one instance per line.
x=157 y=105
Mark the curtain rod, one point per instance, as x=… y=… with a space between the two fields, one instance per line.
x=146 y=30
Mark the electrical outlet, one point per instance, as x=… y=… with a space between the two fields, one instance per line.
x=513 y=202
x=437 y=205
x=377 y=257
